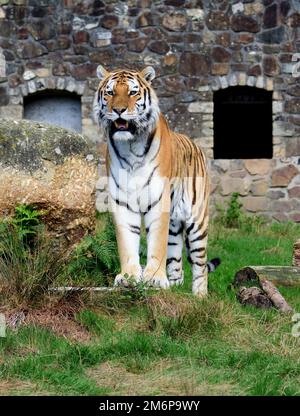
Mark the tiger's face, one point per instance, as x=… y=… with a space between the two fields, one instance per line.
x=125 y=103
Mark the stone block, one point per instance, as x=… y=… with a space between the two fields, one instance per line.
x=258 y=166
x=256 y=203
x=283 y=176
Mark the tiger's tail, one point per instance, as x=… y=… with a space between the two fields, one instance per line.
x=213 y=264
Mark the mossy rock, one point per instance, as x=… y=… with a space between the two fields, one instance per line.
x=27 y=144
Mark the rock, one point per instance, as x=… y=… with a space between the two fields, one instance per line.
x=241 y=23
x=159 y=46
x=220 y=69
x=294 y=90
x=138 y=44
x=109 y=21
x=101 y=38
x=245 y=38
x=254 y=71
x=6 y=28
x=82 y=36
x=255 y=203
x=270 y=16
x=28 y=75
x=42 y=29
x=280 y=216
x=220 y=54
x=62 y=183
x=292 y=106
x=275 y=194
x=295 y=20
x=145 y=19
x=81 y=72
x=295 y=217
x=270 y=65
x=31 y=49
x=194 y=64
x=259 y=188
x=201 y=107
x=258 y=166
x=294 y=192
x=285 y=7
x=176 y=21
x=282 y=177
x=217 y=20
x=292 y=147
x=230 y=185
x=281 y=206
x=276 y=35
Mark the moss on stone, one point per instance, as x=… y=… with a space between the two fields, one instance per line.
x=27 y=144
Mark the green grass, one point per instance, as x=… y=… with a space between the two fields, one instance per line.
x=170 y=342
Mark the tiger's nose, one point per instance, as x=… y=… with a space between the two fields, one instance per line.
x=119 y=111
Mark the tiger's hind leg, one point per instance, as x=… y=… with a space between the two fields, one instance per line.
x=174 y=258
x=196 y=242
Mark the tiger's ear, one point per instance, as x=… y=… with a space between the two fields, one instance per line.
x=148 y=74
x=101 y=72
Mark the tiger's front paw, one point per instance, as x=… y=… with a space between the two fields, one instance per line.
x=156 y=279
x=130 y=277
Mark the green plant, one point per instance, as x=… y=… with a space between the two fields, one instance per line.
x=234 y=217
x=95 y=259
x=233 y=212
x=27 y=274
x=27 y=222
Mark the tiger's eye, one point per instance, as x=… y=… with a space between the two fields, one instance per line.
x=133 y=93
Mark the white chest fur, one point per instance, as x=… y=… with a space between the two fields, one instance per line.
x=133 y=176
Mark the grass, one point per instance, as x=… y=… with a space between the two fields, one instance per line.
x=169 y=342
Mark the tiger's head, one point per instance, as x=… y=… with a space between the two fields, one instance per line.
x=125 y=103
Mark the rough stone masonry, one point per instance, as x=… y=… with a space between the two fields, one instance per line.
x=196 y=48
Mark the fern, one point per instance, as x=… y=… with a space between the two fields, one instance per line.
x=95 y=259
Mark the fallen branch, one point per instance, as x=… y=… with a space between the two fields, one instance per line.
x=264 y=294
x=287 y=276
x=275 y=296
x=97 y=289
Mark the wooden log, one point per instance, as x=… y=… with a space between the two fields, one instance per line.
x=264 y=277
x=254 y=296
x=287 y=276
x=275 y=296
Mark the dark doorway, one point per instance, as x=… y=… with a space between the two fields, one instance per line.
x=54 y=107
x=243 y=123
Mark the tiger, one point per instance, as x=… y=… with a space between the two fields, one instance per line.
x=154 y=175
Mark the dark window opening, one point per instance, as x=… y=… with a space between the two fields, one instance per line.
x=54 y=107
x=243 y=123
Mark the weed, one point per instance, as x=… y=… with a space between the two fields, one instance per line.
x=27 y=274
x=234 y=217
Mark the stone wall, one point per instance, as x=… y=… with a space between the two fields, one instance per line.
x=196 y=47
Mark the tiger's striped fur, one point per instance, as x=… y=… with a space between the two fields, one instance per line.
x=156 y=174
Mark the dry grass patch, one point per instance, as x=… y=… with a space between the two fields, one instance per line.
x=58 y=316
x=166 y=377
x=21 y=388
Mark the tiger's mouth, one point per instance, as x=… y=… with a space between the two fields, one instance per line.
x=121 y=125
